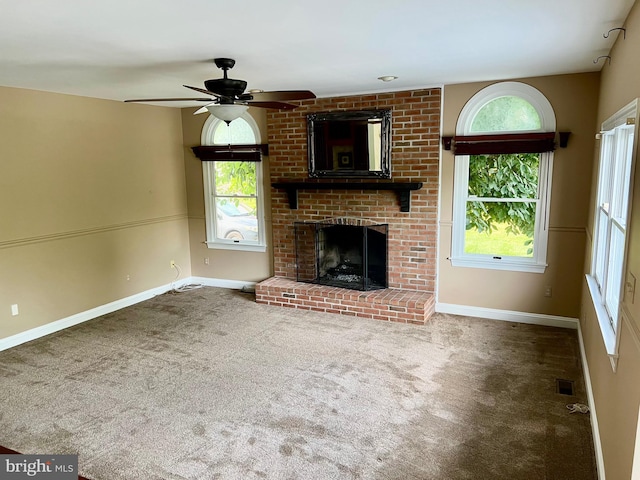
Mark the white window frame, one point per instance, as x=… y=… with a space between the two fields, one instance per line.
x=208 y=171
x=612 y=212
x=537 y=263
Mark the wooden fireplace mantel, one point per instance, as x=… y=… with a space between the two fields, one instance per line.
x=403 y=189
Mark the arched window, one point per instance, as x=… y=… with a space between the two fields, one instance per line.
x=501 y=200
x=233 y=189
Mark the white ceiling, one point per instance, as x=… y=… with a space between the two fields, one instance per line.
x=119 y=49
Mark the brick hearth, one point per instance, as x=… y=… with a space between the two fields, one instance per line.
x=395 y=305
x=415 y=138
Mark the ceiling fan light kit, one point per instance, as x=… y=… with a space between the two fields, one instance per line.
x=227 y=97
x=227 y=113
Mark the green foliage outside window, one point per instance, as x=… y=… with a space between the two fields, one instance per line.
x=512 y=177
x=235 y=181
x=506 y=114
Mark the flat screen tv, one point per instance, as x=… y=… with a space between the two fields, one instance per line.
x=350 y=144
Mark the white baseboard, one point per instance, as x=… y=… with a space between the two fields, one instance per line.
x=81 y=317
x=222 y=283
x=508 y=315
x=595 y=430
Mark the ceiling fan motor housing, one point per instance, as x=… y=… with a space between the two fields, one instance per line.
x=227 y=87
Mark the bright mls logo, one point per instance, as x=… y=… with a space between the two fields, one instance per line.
x=50 y=467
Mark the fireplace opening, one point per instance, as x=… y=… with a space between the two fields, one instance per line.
x=342 y=255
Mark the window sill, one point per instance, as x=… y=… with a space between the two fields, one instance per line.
x=505 y=264
x=243 y=247
x=608 y=335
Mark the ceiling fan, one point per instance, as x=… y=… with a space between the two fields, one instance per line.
x=228 y=100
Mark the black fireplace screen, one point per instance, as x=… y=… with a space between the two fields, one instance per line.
x=346 y=256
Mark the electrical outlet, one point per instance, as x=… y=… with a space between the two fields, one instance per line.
x=547 y=291
x=128 y=277
x=172 y=264
x=206 y=261
x=14 y=309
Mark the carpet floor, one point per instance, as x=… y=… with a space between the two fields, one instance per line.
x=207 y=384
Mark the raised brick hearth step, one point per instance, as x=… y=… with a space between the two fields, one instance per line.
x=395 y=305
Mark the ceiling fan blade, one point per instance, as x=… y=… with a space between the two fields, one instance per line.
x=206 y=92
x=276 y=105
x=202 y=109
x=169 y=100
x=282 y=95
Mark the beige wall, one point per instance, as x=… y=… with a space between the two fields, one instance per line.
x=90 y=191
x=617 y=395
x=223 y=264
x=574 y=100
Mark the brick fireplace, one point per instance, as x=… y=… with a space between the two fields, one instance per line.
x=411 y=237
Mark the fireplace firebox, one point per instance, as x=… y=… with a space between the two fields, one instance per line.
x=342 y=253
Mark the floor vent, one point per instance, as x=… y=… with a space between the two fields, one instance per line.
x=564 y=387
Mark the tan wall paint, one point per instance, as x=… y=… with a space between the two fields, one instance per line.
x=617 y=395
x=91 y=191
x=636 y=455
x=574 y=100
x=223 y=264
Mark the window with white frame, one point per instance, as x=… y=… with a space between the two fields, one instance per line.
x=612 y=212
x=501 y=200
x=233 y=189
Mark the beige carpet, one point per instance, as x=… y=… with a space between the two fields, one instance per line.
x=207 y=384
